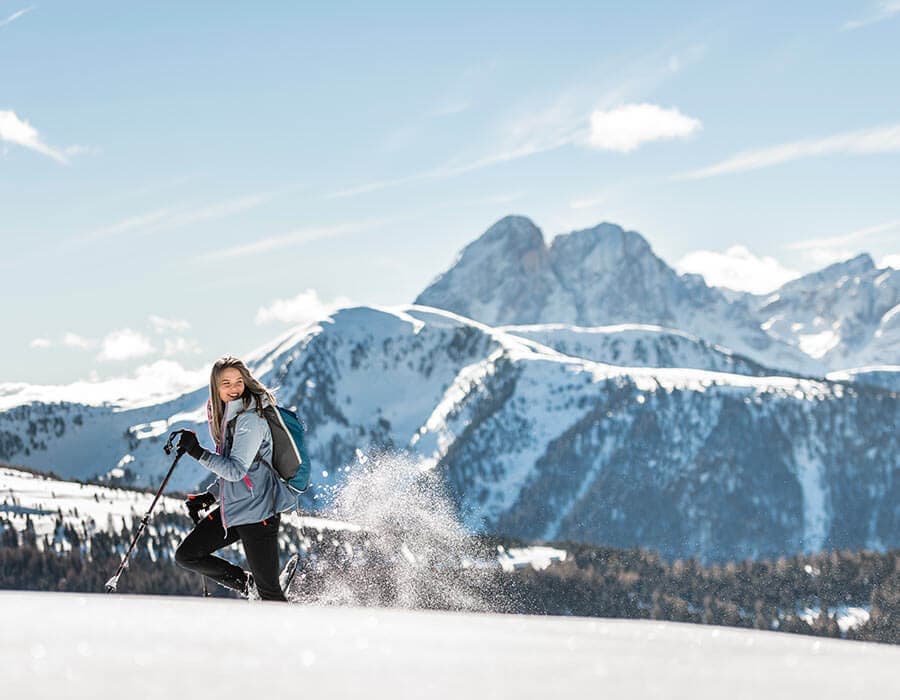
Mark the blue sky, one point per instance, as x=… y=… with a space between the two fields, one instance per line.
x=181 y=180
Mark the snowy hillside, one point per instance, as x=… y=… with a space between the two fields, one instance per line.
x=685 y=462
x=843 y=316
x=538 y=444
x=81 y=646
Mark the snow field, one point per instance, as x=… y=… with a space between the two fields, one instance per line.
x=106 y=646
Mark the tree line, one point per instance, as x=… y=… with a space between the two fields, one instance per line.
x=341 y=566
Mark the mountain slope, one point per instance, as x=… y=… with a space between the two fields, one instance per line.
x=535 y=443
x=688 y=463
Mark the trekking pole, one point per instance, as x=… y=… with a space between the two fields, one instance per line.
x=195 y=516
x=113 y=583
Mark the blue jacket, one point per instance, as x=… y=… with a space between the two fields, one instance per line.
x=248 y=490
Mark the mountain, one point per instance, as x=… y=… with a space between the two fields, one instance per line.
x=596 y=277
x=847 y=315
x=537 y=444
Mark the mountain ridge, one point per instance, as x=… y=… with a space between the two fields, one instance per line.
x=609 y=275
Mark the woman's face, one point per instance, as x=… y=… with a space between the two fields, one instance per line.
x=231 y=384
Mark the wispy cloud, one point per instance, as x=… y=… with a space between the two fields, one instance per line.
x=832 y=249
x=563 y=120
x=305 y=235
x=132 y=223
x=168 y=218
x=890 y=261
x=16 y=15
x=846 y=239
x=15 y=130
x=628 y=127
x=883 y=11
x=883 y=139
x=737 y=268
x=40 y=343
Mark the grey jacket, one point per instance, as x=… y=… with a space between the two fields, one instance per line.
x=248 y=490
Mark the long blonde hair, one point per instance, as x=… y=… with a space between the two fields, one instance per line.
x=254 y=391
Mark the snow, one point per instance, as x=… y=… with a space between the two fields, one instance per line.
x=108 y=646
x=818 y=344
x=848 y=617
x=810 y=475
x=538 y=558
x=42 y=498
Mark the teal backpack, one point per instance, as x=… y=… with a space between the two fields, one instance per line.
x=289 y=456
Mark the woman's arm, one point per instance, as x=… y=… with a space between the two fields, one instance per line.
x=249 y=431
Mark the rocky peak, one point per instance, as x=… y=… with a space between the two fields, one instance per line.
x=607 y=240
x=504 y=276
x=515 y=233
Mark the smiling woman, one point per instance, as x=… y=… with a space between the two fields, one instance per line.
x=251 y=496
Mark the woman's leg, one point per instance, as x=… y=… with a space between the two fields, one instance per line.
x=261 y=549
x=195 y=553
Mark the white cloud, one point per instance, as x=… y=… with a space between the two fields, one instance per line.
x=306 y=307
x=737 y=268
x=15 y=15
x=170 y=377
x=884 y=139
x=890 y=261
x=73 y=340
x=625 y=128
x=163 y=325
x=884 y=11
x=125 y=344
x=305 y=235
x=40 y=343
x=15 y=130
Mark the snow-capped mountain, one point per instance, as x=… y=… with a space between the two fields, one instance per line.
x=535 y=443
x=847 y=315
x=596 y=277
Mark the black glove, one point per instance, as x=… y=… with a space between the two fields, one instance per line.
x=196 y=502
x=188 y=443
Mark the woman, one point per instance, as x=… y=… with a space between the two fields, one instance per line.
x=251 y=496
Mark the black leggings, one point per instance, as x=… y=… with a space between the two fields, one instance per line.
x=260 y=542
